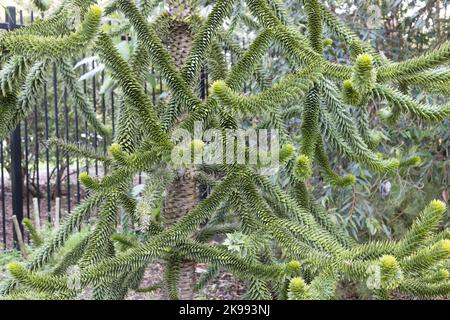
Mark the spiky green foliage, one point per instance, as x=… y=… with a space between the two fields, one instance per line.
x=298 y=289
x=38 y=47
x=34 y=234
x=278 y=239
x=327 y=172
x=408 y=105
x=438 y=56
x=79 y=151
x=82 y=102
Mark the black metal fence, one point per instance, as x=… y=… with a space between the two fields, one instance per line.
x=42 y=181
x=38 y=179
x=35 y=179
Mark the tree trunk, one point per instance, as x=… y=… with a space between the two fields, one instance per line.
x=181 y=197
x=183 y=194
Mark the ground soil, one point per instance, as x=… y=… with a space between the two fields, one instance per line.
x=223 y=287
x=44 y=203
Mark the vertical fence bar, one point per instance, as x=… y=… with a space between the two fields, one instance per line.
x=202 y=83
x=36 y=157
x=26 y=139
x=94 y=101
x=231 y=58
x=207 y=80
x=77 y=141
x=113 y=114
x=47 y=153
x=27 y=172
x=105 y=168
x=16 y=151
x=56 y=111
x=86 y=132
x=245 y=83
x=225 y=52
x=36 y=142
x=2 y=182
x=145 y=91
x=153 y=86
x=66 y=123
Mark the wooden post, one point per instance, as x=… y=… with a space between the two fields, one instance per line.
x=57 y=212
x=36 y=216
x=19 y=237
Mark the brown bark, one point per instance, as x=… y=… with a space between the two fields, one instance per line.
x=182 y=195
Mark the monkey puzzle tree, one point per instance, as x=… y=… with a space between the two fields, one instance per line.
x=280 y=241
